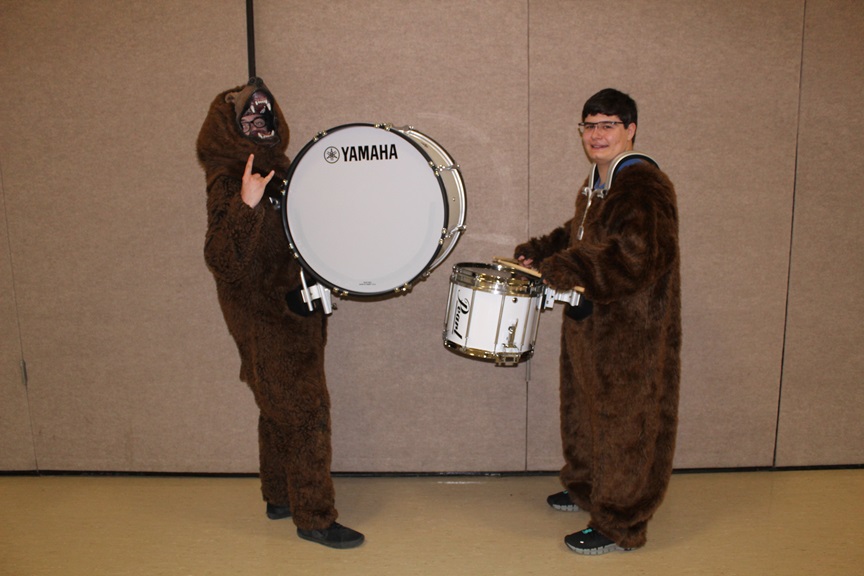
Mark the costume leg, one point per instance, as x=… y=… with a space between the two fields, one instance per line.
x=576 y=407
x=634 y=440
x=294 y=433
x=310 y=485
x=271 y=447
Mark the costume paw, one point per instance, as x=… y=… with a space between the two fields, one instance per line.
x=557 y=275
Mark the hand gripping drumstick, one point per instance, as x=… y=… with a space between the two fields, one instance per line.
x=510 y=263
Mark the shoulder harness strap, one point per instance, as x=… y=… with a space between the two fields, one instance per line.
x=615 y=167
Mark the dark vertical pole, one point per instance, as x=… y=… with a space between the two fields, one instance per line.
x=250 y=37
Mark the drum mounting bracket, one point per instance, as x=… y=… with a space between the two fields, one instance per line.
x=571 y=297
x=316 y=292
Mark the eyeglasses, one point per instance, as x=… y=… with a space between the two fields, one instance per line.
x=601 y=127
x=256 y=122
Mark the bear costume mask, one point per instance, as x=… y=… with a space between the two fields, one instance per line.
x=224 y=143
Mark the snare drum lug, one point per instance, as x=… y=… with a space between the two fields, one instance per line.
x=511 y=331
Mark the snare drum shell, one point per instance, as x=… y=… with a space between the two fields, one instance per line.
x=491 y=314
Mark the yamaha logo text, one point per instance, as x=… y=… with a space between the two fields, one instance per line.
x=361 y=153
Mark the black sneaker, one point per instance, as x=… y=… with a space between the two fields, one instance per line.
x=562 y=501
x=275 y=512
x=335 y=536
x=591 y=542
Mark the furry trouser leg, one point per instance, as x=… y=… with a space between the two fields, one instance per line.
x=618 y=436
x=295 y=469
x=576 y=437
x=294 y=431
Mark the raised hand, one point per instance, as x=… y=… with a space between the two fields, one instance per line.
x=252 y=189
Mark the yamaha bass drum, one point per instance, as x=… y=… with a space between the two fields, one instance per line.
x=371 y=209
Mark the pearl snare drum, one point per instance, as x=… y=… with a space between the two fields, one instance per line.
x=493 y=312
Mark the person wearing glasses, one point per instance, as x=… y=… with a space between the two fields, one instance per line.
x=620 y=347
x=280 y=340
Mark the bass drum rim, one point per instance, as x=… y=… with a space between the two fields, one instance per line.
x=405 y=284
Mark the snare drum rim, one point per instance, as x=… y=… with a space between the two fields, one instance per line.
x=335 y=288
x=516 y=285
x=498 y=357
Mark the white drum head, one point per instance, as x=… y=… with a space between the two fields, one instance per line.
x=364 y=210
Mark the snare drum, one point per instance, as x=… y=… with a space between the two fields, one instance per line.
x=493 y=312
x=371 y=209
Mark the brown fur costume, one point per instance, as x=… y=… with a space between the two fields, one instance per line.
x=620 y=366
x=281 y=347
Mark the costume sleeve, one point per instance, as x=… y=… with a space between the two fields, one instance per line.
x=233 y=230
x=635 y=244
x=540 y=248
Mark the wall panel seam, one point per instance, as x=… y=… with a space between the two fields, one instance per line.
x=791 y=231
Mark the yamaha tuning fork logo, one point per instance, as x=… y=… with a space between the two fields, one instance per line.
x=331 y=155
x=364 y=153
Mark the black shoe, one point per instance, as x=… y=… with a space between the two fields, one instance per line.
x=591 y=542
x=562 y=501
x=275 y=512
x=336 y=536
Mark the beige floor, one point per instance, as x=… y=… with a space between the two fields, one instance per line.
x=745 y=523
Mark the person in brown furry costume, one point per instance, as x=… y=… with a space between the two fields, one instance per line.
x=241 y=147
x=620 y=348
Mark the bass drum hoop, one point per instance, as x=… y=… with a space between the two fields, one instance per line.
x=444 y=243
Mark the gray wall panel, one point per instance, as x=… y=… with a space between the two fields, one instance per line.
x=16 y=440
x=131 y=367
x=456 y=71
x=823 y=397
x=718 y=104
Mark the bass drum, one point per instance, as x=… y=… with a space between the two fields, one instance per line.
x=370 y=209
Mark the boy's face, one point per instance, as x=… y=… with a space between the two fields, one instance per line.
x=602 y=143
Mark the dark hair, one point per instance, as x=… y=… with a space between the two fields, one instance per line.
x=611 y=102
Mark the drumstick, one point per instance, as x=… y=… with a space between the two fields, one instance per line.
x=510 y=263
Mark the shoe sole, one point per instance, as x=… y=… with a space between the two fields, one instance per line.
x=337 y=545
x=599 y=550
x=278 y=516
x=565 y=507
x=278 y=512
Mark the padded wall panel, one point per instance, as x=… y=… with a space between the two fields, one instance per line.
x=16 y=439
x=456 y=71
x=130 y=366
x=718 y=100
x=823 y=398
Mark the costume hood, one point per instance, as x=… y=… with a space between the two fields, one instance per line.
x=224 y=146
